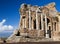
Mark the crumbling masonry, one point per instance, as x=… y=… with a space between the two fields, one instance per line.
x=38 y=22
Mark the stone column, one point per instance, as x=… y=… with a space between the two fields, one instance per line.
x=46 y=26
x=54 y=26
x=29 y=19
x=42 y=21
x=37 y=25
x=20 y=22
x=32 y=24
x=23 y=23
x=59 y=22
x=51 y=26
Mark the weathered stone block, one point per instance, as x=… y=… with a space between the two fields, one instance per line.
x=40 y=33
x=32 y=33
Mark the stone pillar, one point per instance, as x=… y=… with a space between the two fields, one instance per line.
x=20 y=22
x=49 y=25
x=32 y=24
x=23 y=23
x=37 y=25
x=53 y=27
x=29 y=19
x=42 y=21
x=46 y=26
x=59 y=22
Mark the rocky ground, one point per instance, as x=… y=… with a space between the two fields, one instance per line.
x=24 y=39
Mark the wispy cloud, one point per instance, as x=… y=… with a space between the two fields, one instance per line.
x=5 y=27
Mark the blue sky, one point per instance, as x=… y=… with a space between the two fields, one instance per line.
x=9 y=11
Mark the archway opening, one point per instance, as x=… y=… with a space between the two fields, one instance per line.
x=34 y=24
x=49 y=27
x=48 y=20
x=40 y=25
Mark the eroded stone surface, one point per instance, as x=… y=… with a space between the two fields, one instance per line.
x=37 y=23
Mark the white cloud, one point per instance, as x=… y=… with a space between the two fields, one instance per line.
x=10 y=27
x=5 y=27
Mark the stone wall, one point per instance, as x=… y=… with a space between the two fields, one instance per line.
x=37 y=22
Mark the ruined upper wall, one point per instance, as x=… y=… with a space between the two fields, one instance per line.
x=51 y=6
x=47 y=9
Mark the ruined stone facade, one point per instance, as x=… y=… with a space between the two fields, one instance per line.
x=39 y=22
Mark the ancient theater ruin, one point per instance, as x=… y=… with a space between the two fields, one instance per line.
x=42 y=22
